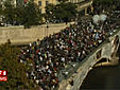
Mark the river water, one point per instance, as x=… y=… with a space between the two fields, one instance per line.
x=103 y=78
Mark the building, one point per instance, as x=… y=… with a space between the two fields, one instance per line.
x=43 y=3
x=76 y=1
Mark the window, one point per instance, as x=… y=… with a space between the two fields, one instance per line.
x=47 y=3
x=40 y=3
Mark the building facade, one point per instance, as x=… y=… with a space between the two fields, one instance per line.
x=43 y=3
x=75 y=1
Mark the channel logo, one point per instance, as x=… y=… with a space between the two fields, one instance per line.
x=3 y=75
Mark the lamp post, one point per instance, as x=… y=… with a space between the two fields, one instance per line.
x=47 y=27
x=76 y=21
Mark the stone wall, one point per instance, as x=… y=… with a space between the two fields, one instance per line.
x=19 y=35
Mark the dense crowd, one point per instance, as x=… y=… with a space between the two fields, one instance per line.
x=55 y=52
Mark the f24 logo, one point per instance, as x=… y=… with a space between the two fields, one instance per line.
x=3 y=75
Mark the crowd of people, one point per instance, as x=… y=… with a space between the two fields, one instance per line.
x=55 y=52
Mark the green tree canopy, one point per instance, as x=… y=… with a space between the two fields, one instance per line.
x=63 y=11
x=28 y=14
x=0 y=9
x=50 y=11
x=103 y=2
x=16 y=71
x=32 y=15
x=106 y=5
x=9 y=12
x=19 y=11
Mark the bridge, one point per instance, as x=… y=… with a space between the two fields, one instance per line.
x=105 y=54
x=84 y=5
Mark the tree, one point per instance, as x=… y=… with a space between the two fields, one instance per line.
x=26 y=14
x=32 y=15
x=117 y=4
x=63 y=11
x=50 y=8
x=103 y=4
x=0 y=9
x=19 y=13
x=17 y=78
x=8 y=12
x=1 y=13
